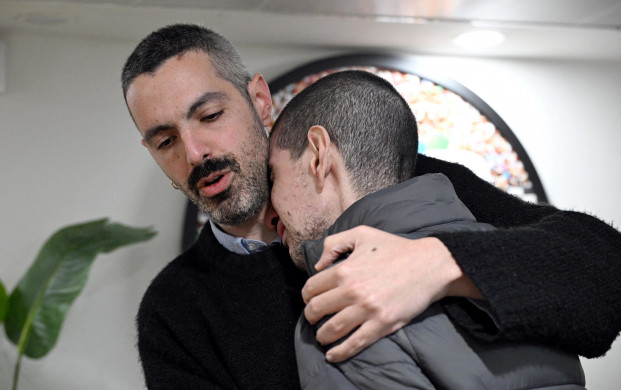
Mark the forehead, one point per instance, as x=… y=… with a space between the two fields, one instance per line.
x=175 y=86
x=279 y=158
x=179 y=70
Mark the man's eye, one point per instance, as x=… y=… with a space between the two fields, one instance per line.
x=166 y=142
x=211 y=117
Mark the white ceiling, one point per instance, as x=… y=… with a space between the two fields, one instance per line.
x=587 y=29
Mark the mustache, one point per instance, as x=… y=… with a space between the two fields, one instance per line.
x=210 y=166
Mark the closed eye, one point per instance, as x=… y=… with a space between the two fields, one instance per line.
x=212 y=117
x=166 y=142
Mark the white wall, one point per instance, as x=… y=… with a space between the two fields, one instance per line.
x=69 y=153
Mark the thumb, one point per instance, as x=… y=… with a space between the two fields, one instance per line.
x=334 y=246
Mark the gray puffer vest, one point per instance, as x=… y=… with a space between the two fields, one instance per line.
x=430 y=352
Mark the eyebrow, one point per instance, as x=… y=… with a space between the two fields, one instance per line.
x=154 y=131
x=203 y=99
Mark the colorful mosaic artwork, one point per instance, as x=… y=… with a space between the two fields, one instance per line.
x=449 y=128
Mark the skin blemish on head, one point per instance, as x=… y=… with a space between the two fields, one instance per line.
x=374 y=249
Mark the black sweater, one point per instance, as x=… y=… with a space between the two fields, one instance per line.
x=215 y=319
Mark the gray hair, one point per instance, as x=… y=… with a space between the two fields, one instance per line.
x=177 y=39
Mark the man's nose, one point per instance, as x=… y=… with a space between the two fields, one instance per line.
x=196 y=149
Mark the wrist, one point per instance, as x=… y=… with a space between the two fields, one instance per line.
x=464 y=287
x=456 y=282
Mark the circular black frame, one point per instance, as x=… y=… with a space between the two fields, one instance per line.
x=402 y=64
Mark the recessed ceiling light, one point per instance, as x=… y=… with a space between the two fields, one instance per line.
x=481 y=39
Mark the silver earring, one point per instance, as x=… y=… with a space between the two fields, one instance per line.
x=172 y=183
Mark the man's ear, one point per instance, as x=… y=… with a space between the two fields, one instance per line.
x=319 y=145
x=261 y=98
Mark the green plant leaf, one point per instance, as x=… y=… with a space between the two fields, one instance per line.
x=4 y=301
x=39 y=303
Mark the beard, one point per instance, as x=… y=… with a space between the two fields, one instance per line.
x=313 y=229
x=248 y=192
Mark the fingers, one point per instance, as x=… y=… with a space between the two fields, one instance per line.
x=318 y=284
x=367 y=334
x=337 y=244
x=340 y=325
x=325 y=304
x=329 y=292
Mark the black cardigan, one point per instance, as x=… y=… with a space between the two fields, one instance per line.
x=214 y=319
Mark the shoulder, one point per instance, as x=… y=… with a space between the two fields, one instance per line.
x=448 y=352
x=426 y=164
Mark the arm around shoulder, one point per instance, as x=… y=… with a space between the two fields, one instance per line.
x=549 y=275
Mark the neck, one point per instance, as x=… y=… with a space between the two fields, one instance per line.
x=346 y=195
x=252 y=229
x=337 y=186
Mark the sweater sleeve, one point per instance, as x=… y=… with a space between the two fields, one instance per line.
x=549 y=275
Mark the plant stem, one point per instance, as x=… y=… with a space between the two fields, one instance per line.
x=23 y=337
x=18 y=364
x=25 y=332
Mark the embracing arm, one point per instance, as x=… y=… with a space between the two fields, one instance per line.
x=550 y=275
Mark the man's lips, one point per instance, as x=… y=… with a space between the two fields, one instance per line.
x=214 y=184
